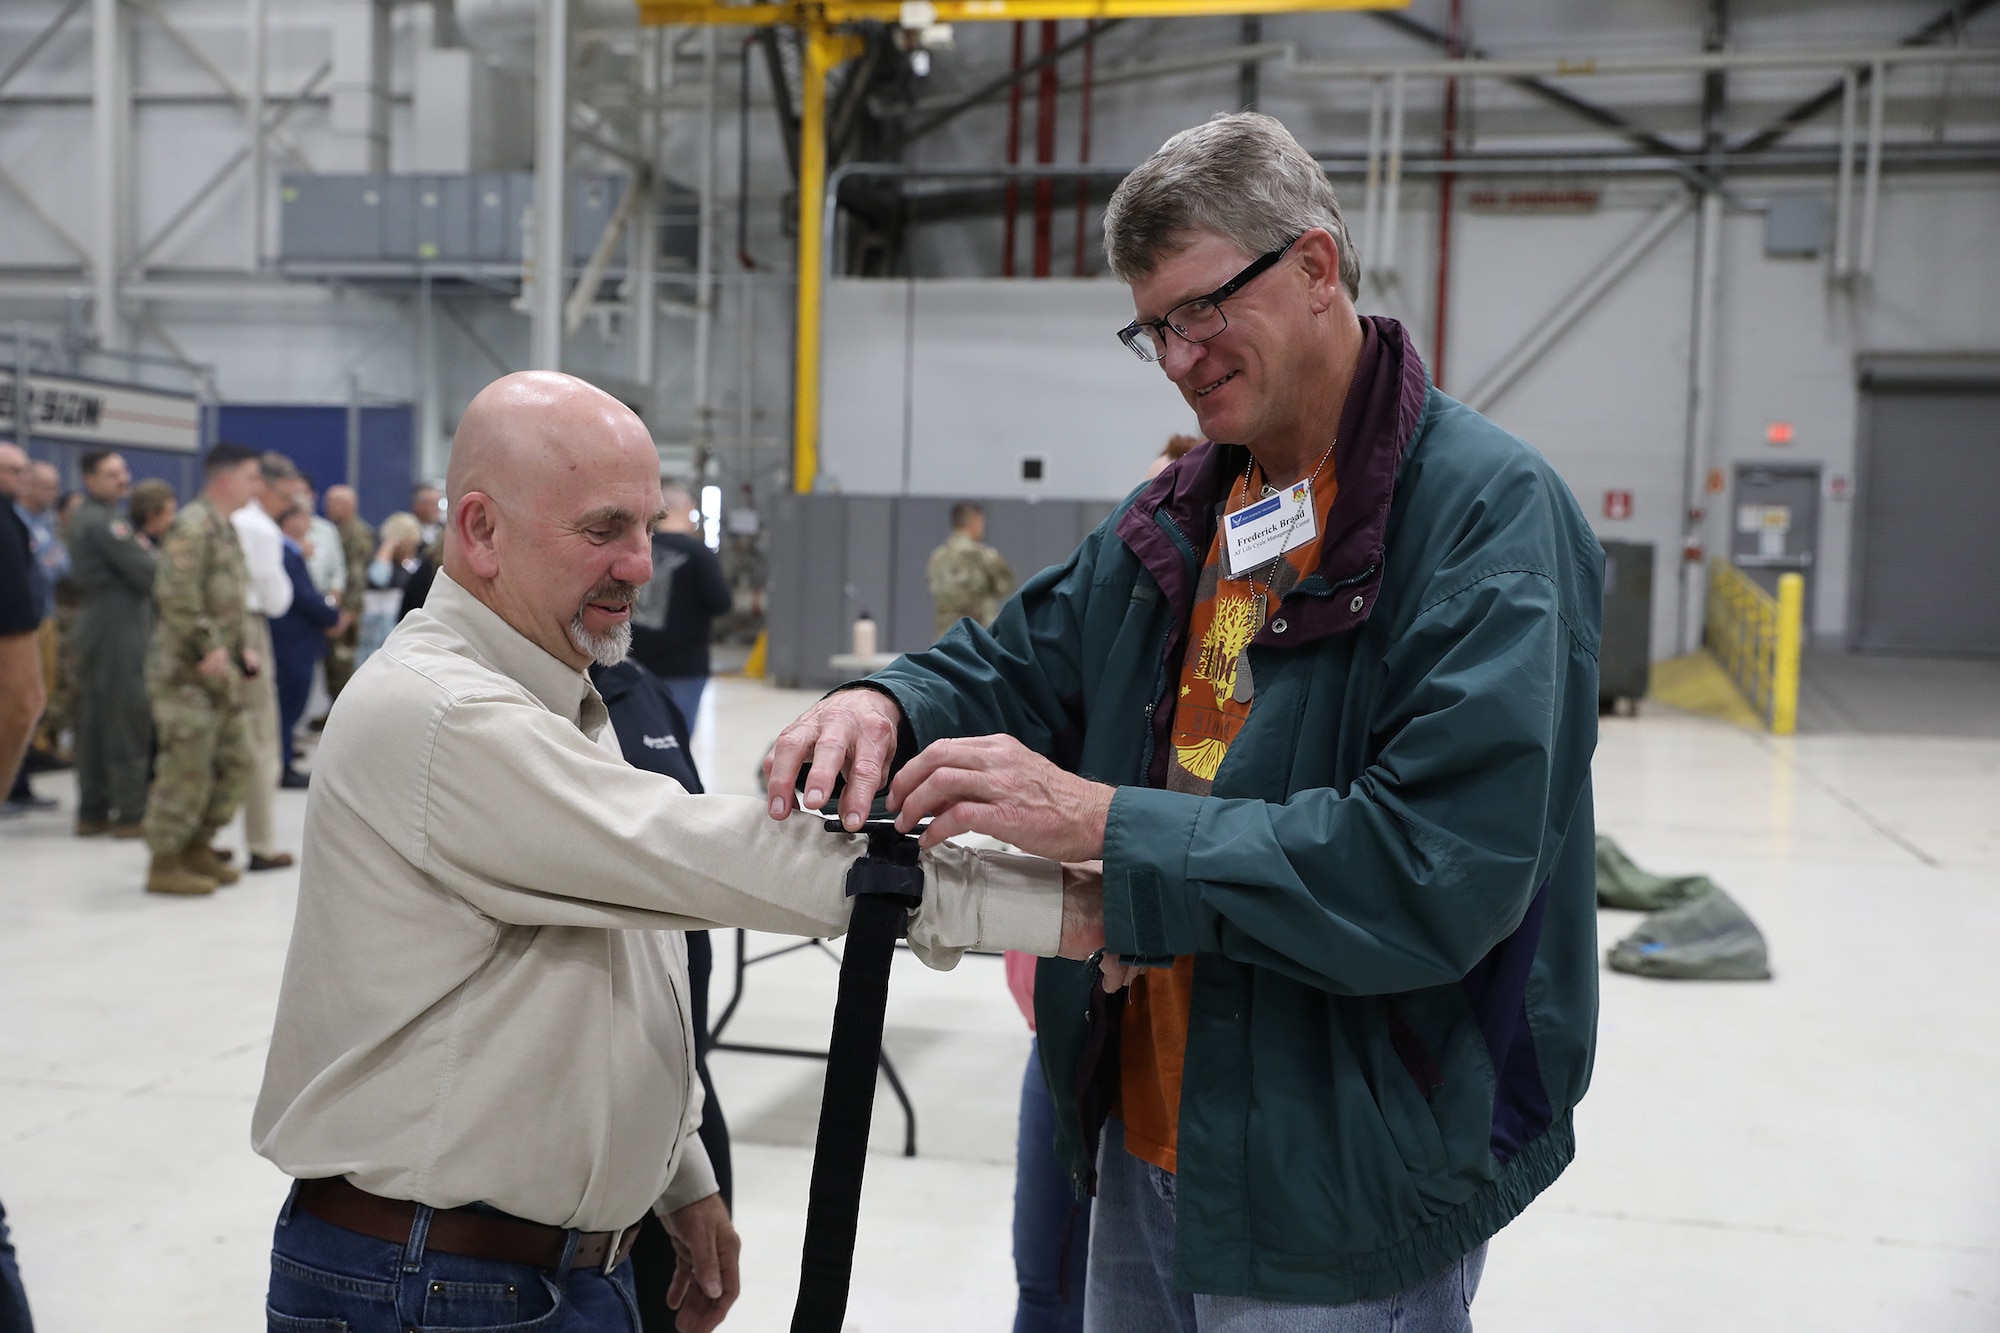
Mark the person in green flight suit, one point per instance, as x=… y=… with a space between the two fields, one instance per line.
x=112 y=567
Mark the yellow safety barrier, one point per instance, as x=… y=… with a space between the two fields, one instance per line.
x=1756 y=637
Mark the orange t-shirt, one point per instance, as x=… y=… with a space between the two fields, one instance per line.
x=1210 y=710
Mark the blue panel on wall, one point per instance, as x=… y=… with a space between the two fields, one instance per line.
x=314 y=436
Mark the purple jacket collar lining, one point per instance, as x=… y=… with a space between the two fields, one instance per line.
x=1384 y=405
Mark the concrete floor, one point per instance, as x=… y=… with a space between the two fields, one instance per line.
x=1819 y=1152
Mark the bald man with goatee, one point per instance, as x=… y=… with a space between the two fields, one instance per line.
x=481 y=1077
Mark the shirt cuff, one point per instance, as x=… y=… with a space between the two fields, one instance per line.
x=694 y=1178
x=986 y=900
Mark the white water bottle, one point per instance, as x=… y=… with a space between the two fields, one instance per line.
x=864 y=636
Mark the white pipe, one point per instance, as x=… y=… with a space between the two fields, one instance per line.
x=643 y=301
x=260 y=152
x=1573 y=306
x=1371 y=202
x=704 y=263
x=1392 y=196
x=1871 y=181
x=1702 y=363
x=429 y=407
x=1843 y=256
x=1692 y=63
x=111 y=90
x=545 y=337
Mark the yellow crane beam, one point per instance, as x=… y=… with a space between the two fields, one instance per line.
x=826 y=48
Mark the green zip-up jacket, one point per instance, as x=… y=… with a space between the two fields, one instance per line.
x=1389 y=893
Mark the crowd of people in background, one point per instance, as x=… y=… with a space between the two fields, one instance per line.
x=178 y=648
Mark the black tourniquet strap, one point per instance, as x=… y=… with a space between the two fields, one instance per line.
x=886 y=885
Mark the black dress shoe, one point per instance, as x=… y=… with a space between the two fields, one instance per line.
x=276 y=862
x=293 y=780
x=21 y=805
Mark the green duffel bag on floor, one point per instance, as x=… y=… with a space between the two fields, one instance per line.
x=1709 y=939
x=1622 y=884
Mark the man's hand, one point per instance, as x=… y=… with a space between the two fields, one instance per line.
x=215 y=665
x=705 y=1281
x=851 y=734
x=252 y=663
x=997 y=786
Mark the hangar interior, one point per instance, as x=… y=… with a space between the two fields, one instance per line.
x=1727 y=264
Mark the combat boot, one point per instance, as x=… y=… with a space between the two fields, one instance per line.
x=199 y=857
x=170 y=874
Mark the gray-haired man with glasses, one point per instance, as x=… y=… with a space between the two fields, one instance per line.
x=1322 y=698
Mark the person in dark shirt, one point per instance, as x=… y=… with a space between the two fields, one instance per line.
x=23 y=692
x=298 y=638
x=20 y=705
x=670 y=621
x=653 y=735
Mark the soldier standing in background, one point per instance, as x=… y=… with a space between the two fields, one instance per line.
x=968 y=577
x=357 y=545
x=195 y=673
x=113 y=570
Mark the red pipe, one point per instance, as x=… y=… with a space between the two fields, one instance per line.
x=1445 y=183
x=1045 y=149
x=1013 y=158
x=1083 y=139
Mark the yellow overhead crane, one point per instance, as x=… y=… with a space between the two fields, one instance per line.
x=826 y=47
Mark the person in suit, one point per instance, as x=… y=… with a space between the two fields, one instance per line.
x=298 y=637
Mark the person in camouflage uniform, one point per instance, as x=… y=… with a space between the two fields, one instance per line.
x=968 y=577
x=195 y=674
x=113 y=572
x=357 y=543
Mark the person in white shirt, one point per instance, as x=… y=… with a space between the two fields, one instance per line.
x=481 y=1074
x=269 y=594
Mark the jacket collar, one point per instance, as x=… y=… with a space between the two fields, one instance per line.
x=560 y=688
x=1384 y=405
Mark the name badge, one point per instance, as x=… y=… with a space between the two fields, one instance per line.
x=1282 y=521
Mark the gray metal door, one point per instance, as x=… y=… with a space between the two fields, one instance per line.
x=1928 y=547
x=1776 y=527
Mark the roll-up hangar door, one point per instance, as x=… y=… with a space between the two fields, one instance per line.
x=1926 y=575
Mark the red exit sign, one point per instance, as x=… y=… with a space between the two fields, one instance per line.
x=1618 y=504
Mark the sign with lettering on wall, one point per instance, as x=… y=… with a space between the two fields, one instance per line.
x=1618 y=504
x=92 y=412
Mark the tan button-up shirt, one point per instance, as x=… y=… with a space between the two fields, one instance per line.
x=486 y=995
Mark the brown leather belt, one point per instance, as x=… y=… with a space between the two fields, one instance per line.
x=461 y=1231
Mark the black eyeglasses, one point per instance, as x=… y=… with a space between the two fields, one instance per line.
x=1198 y=320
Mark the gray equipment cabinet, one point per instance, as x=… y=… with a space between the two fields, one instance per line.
x=1624 y=660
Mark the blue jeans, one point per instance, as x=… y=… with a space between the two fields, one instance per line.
x=1051 y=1225
x=686 y=691
x=325 y=1279
x=1131 y=1273
x=14 y=1316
